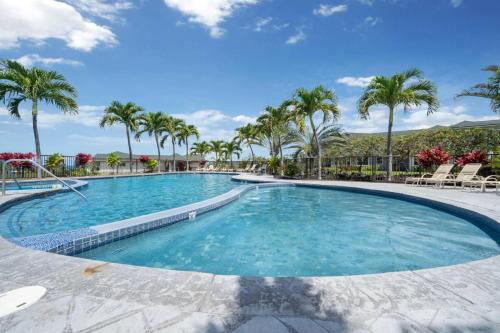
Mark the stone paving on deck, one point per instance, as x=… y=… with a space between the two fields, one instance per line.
x=91 y=296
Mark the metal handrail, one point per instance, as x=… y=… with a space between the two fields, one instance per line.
x=4 y=175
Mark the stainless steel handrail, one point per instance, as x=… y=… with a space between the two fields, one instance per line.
x=4 y=175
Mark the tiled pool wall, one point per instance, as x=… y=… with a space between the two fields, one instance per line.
x=77 y=241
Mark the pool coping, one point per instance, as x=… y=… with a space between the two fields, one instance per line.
x=428 y=300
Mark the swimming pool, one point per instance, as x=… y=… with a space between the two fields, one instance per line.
x=110 y=200
x=300 y=231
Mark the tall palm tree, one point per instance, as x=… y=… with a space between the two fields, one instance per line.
x=248 y=135
x=19 y=84
x=152 y=123
x=489 y=90
x=278 y=120
x=126 y=114
x=200 y=148
x=231 y=148
x=407 y=89
x=216 y=146
x=172 y=127
x=185 y=132
x=308 y=103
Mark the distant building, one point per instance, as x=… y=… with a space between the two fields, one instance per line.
x=166 y=162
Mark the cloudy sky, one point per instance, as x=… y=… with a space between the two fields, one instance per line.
x=218 y=63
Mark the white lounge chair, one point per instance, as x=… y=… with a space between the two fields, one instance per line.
x=252 y=169
x=211 y=168
x=482 y=183
x=468 y=173
x=442 y=172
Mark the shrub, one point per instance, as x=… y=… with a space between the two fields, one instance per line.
x=113 y=160
x=495 y=161
x=17 y=165
x=151 y=165
x=82 y=159
x=430 y=157
x=54 y=162
x=144 y=159
x=475 y=156
x=273 y=164
x=291 y=170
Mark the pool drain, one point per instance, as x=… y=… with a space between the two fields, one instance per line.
x=19 y=299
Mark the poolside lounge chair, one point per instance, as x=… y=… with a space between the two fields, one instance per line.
x=252 y=169
x=211 y=168
x=468 y=173
x=482 y=183
x=442 y=172
x=245 y=169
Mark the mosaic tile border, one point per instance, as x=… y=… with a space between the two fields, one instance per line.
x=80 y=240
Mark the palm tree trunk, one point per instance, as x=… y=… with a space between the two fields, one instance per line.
x=251 y=151
x=34 y=113
x=281 y=157
x=129 y=149
x=187 y=155
x=389 y=144
x=159 y=155
x=315 y=135
x=173 y=149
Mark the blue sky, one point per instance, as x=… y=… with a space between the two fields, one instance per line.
x=218 y=63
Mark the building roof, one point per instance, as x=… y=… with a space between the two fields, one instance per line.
x=124 y=157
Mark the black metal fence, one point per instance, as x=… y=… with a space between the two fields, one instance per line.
x=369 y=168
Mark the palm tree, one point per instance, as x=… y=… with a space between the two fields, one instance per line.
x=395 y=91
x=172 y=127
x=490 y=89
x=19 y=84
x=185 y=132
x=200 y=148
x=307 y=104
x=248 y=135
x=126 y=114
x=231 y=148
x=278 y=122
x=152 y=123
x=216 y=146
x=304 y=143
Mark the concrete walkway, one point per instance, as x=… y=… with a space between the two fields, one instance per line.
x=90 y=296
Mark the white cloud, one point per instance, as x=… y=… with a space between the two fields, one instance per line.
x=372 y=21
x=214 y=124
x=102 y=8
x=33 y=59
x=328 y=10
x=456 y=3
x=355 y=81
x=40 y=20
x=261 y=23
x=294 y=39
x=366 y=2
x=88 y=115
x=209 y=13
x=412 y=120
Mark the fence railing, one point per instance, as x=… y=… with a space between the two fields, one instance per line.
x=370 y=168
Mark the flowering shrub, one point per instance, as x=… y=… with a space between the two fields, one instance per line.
x=144 y=158
x=430 y=157
x=475 y=156
x=181 y=166
x=8 y=156
x=82 y=159
x=202 y=163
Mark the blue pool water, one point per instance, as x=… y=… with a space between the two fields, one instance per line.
x=110 y=200
x=308 y=232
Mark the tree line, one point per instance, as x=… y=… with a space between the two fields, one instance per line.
x=305 y=122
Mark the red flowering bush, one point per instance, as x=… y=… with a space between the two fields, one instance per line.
x=144 y=158
x=82 y=159
x=430 y=157
x=9 y=156
x=202 y=163
x=475 y=156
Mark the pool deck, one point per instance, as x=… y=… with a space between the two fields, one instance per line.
x=91 y=296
